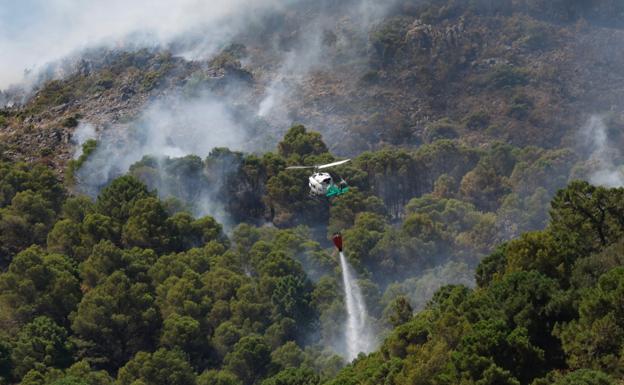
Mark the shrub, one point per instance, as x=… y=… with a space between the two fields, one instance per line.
x=226 y=60
x=104 y=84
x=441 y=129
x=521 y=106
x=74 y=165
x=47 y=151
x=388 y=37
x=506 y=76
x=477 y=120
x=70 y=122
x=151 y=80
x=537 y=37
x=369 y=77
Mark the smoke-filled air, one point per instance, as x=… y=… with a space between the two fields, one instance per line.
x=41 y=35
x=311 y=192
x=606 y=155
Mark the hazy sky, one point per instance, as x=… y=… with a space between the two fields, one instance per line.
x=36 y=32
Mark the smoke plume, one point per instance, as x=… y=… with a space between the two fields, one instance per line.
x=605 y=159
x=172 y=127
x=35 y=33
x=242 y=118
x=83 y=132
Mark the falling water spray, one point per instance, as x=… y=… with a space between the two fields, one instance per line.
x=357 y=331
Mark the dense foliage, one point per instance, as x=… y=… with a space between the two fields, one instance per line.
x=478 y=265
x=132 y=289
x=544 y=312
x=126 y=286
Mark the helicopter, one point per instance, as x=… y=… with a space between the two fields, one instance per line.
x=322 y=183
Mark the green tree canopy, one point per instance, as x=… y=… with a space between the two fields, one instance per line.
x=163 y=367
x=41 y=343
x=250 y=359
x=115 y=320
x=37 y=283
x=117 y=199
x=298 y=141
x=595 y=339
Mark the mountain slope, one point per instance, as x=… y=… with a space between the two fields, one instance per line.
x=495 y=73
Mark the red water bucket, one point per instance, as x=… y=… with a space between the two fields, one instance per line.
x=337 y=238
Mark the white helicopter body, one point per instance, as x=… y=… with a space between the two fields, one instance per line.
x=322 y=183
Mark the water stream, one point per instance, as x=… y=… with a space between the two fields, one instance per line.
x=357 y=331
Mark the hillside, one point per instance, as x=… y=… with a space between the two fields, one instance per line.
x=151 y=233
x=493 y=72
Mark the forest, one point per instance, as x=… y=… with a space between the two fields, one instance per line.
x=151 y=233
x=130 y=288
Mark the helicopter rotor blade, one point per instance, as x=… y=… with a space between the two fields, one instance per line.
x=333 y=164
x=300 y=167
x=319 y=167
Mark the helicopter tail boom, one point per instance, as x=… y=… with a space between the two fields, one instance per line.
x=334 y=191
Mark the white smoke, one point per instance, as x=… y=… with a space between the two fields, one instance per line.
x=295 y=65
x=174 y=126
x=421 y=288
x=606 y=170
x=34 y=33
x=83 y=132
x=311 y=53
x=45 y=39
